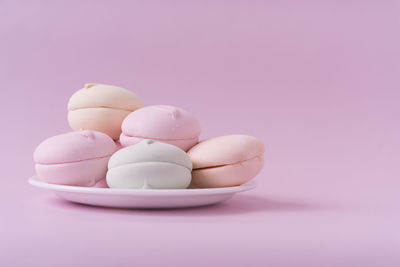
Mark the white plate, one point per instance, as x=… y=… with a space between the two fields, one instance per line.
x=142 y=199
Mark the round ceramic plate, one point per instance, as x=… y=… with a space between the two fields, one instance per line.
x=142 y=199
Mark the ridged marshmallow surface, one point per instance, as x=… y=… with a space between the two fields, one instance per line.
x=149 y=165
x=163 y=123
x=102 y=108
x=74 y=146
x=226 y=160
x=76 y=158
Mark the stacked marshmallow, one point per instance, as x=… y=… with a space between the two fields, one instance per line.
x=118 y=139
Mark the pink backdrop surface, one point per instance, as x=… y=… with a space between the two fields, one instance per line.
x=317 y=81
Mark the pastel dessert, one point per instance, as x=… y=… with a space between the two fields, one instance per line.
x=102 y=108
x=149 y=165
x=162 y=123
x=226 y=161
x=76 y=158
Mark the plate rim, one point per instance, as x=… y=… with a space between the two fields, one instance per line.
x=33 y=180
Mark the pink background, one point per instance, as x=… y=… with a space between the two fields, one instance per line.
x=317 y=81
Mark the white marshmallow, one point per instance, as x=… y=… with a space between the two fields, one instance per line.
x=149 y=165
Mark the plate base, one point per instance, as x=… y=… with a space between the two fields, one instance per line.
x=142 y=199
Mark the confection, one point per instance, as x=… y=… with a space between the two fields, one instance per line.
x=226 y=161
x=101 y=108
x=149 y=165
x=76 y=158
x=162 y=123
